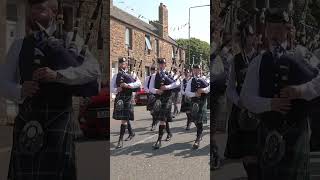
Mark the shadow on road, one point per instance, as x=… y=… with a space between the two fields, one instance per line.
x=140 y=149
x=149 y=152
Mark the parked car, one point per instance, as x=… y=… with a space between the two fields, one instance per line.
x=94 y=115
x=141 y=97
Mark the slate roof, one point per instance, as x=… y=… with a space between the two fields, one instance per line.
x=127 y=18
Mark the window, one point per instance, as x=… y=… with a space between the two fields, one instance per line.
x=128 y=38
x=147 y=71
x=157 y=48
x=148 y=46
x=173 y=52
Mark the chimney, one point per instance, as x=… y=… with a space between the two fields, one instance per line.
x=163 y=20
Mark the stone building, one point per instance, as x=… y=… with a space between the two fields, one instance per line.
x=144 y=42
x=14 y=25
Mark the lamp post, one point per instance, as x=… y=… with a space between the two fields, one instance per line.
x=190 y=27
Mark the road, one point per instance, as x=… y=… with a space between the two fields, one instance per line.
x=92 y=157
x=175 y=160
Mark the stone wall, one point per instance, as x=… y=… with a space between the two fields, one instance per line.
x=118 y=47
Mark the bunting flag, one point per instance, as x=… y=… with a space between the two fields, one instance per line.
x=173 y=28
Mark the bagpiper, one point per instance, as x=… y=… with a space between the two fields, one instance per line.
x=175 y=92
x=123 y=85
x=151 y=97
x=242 y=126
x=161 y=86
x=42 y=75
x=197 y=89
x=186 y=101
x=283 y=135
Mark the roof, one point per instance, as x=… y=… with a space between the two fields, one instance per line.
x=127 y=18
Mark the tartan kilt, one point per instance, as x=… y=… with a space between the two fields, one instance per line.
x=164 y=114
x=185 y=104
x=151 y=101
x=55 y=160
x=240 y=142
x=201 y=116
x=295 y=163
x=127 y=112
x=175 y=97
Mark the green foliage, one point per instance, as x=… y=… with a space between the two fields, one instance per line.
x=198 y=49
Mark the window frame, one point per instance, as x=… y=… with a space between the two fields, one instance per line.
x=129 y=30
x=147 y=49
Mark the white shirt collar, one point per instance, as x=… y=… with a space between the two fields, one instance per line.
x=50 y=30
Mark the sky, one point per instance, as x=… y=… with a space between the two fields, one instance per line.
x=178 y=11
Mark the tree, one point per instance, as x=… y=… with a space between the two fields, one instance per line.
x=199 y=50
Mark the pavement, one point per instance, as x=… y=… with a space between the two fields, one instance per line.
x=92 y=157
x=175 y=160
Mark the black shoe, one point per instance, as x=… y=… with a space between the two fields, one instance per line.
x=157 y=145
x=215 y=163
x=169 y=136
x=196 y=143
x=153 y=128
x=130 y=137
x=120 y=144
x=188 y=127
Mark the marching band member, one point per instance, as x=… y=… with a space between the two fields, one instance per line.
x=283 y=137
x=197 y=89
x=242 y=133
x=43 y=86
x=123 y=85
x=151 y=97
x=175 y=93
x=186 y=101
x=161 y=86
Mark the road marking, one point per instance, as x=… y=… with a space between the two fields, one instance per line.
x=139 y=142
x=5 y=149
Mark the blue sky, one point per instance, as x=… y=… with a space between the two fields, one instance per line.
x=178 y=15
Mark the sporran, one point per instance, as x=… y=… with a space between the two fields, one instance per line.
x=274 y=149
x=157 y=105
x=119 y=105
x=31 y=138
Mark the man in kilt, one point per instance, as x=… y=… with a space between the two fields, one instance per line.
x=242 y=135
x=175 y=93
x=151 y=97
x=161 y=86
x=44 y=129
x=186 y=101
x=283 y=133
x=197 y=89
x=123 y=85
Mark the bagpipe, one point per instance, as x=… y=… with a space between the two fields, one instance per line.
x=197 y=83
x=60 y=57
x=291 y=71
